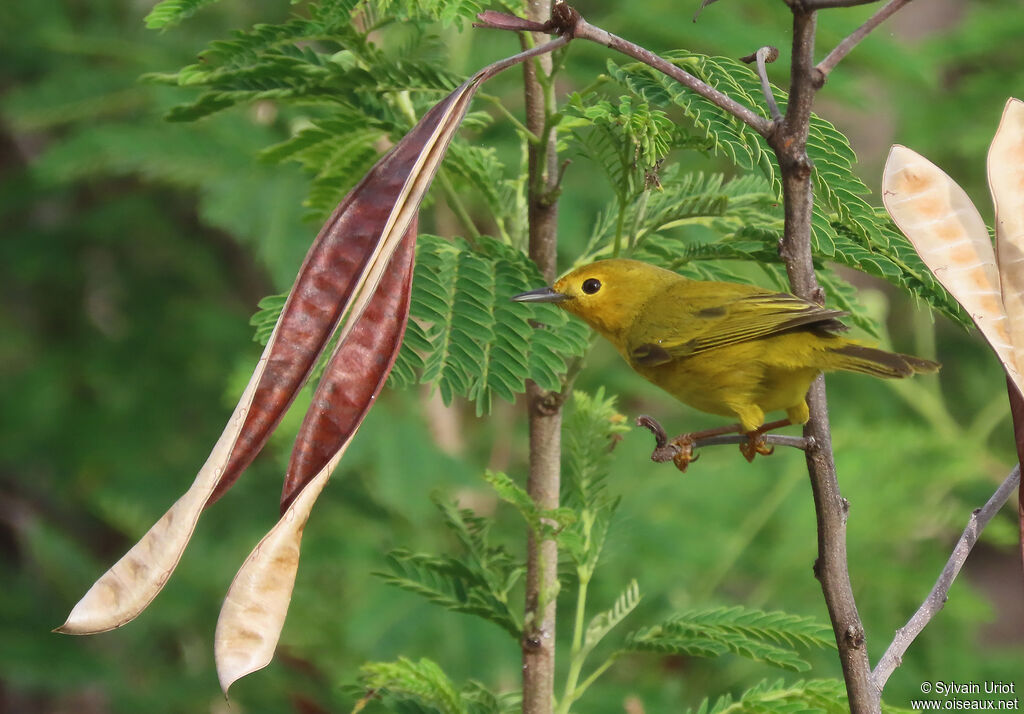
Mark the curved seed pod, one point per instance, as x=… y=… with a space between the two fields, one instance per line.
x=349 y=256
x=353 y=379
x=1006 y=183
x=346 y=261
x=948 y=233
x=132 y=582
x=254 y=610
x=332 y=273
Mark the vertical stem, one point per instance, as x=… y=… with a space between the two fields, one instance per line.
x=545 y=408
x=1017 y=412
x=831 y=567
x=576 y=660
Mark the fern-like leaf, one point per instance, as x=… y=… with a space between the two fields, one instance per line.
x=605 y=622
x=424 y=682
x=451 y=584
x=822 y=696
x=167 y=13
x=592 y=428
x=477 y=584
x=845 y=228
x=544 y=523
x=770 y=637
x=481 y=343
x=448 y=12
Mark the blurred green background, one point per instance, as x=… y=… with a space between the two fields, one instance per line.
x=135 y=250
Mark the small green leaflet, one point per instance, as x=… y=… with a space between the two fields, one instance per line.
x=769 y=637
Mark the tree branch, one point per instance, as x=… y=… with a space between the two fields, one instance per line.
x=545 y=409
x=893 y=656
x=567 y=21
x=584 y=30
x=814 y=5
x=831 y=567
x=843 y=48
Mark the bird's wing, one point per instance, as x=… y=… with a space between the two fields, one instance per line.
x=678 y=327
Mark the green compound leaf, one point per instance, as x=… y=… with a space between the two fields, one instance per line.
x=845 y=228
x=477 y=583
x=769 y=637
x=821 y=696
x=168 y=13
x=481 y=343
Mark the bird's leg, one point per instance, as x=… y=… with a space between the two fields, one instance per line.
x=756 y=443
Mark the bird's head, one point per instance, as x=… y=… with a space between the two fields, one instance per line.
x=607 y=294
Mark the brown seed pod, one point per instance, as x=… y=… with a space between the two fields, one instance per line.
x=324 y=289
x=254 y=610
x=356 y=372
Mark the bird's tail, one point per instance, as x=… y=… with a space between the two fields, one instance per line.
x=853 y=357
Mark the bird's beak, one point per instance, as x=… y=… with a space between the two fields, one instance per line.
x=541 y=295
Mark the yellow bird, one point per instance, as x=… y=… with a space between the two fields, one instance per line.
x=724 y=348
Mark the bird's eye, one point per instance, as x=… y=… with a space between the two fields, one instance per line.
x=591 y=286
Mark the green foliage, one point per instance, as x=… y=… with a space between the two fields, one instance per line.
x=592 y=428
x=168 y=13
x=422 y=686
x=845 y=228
x=604 y=622
x=448 y=12
x=137 y=248
x=827 y=696
x=627 y=141
x=477 y=584
x=543 y=523
x=770 y=637
x=481 y=343
x=466 y=337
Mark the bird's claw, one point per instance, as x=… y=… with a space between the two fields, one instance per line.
x=684 y=455
x=756 y=444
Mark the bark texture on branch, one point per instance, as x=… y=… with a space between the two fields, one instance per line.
x=545 y=412
x=831 y=568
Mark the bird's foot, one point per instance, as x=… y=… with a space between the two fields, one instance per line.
x=756 y=444
x=682 y=451
x=678 y=450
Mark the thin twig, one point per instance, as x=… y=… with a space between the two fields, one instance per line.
x=763 y=56
x=510 y=117
x=569 y=23
x=843 y=48
x=797 y=442
x=584 y=30
x=813 y=5
x=893 y=656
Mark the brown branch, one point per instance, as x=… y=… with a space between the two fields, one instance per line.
x=831 y=509
x=1017 y=415
x=584 y=30
x=545 y=412
x=843 y=48
x=567 y=21
x=813 y=5
x=893 y=656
